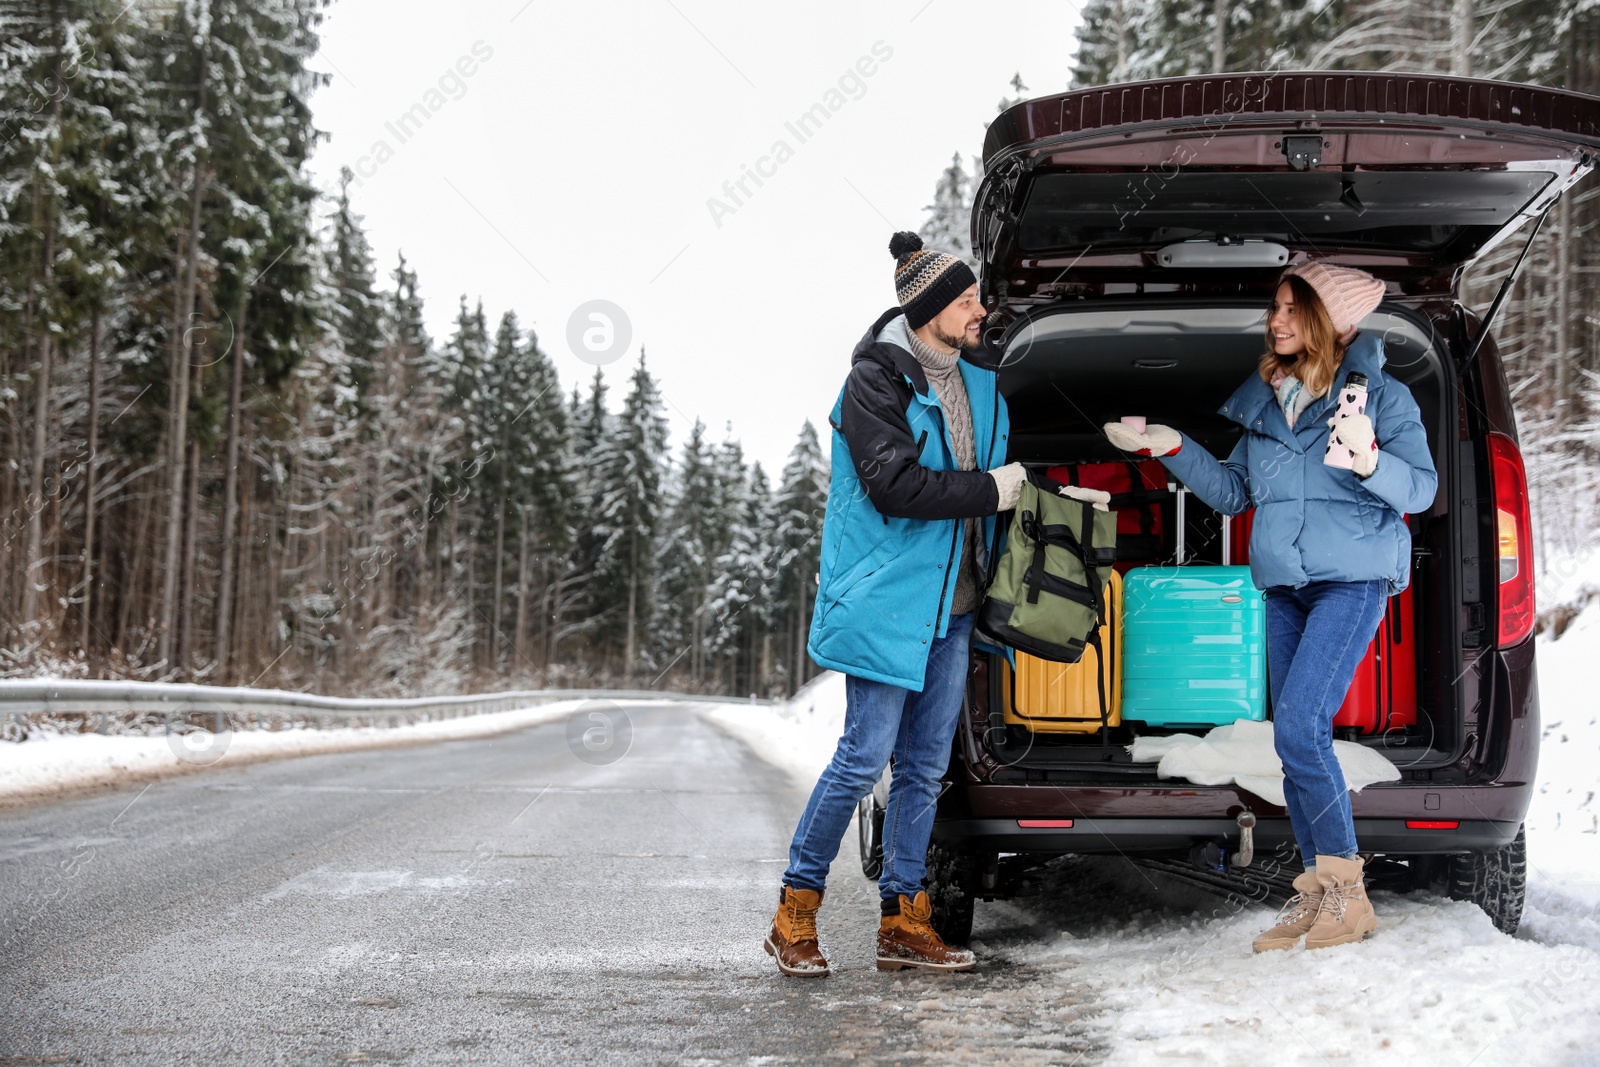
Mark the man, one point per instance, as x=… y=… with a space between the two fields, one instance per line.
x=919 y=448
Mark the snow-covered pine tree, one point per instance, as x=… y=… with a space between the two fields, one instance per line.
x=948 y=226
x=416 y=590
x=687 y=551
x=461 y=366
x=630 y=511
x=1018 y=93
x=740 y=600
x=797 y=533
x=503 y=392
x=1111 y=37
x=584 y=605
x=727 y=591
x=541 y=431
x=359 y=318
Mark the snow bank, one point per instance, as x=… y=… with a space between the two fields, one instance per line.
x=1564 y=821
x=1243 y=754
x=1567 y=577
x=48 y=764
x=797 y=736
x=1176 y=981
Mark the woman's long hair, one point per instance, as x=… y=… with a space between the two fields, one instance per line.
x=1316 y=366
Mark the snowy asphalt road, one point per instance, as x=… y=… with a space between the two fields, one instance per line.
x=487 y=901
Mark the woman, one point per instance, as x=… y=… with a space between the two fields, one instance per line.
x=1329 y=545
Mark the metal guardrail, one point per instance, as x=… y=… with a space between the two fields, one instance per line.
x=178 y=701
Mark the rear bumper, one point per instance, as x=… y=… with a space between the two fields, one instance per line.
x=1179 y=835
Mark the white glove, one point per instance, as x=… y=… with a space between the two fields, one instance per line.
x=1008 y=480
x=1157 y=440
x=1098 y=498
x=1355 y=433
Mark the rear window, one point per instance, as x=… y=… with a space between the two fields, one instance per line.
x=1420 y=211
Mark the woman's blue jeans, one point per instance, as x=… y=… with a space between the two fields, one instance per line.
x=881 y=721
x=1316 y=636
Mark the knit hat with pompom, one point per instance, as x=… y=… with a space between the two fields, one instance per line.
x=926 y=281
x=1350 y=295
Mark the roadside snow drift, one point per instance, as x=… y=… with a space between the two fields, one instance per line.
x=48 y=764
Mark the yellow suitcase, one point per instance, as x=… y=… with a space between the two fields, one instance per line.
x=1050 y=697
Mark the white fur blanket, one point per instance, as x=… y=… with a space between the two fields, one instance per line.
x=1242 y=754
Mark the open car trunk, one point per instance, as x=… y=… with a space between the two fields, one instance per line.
x=1072 y=368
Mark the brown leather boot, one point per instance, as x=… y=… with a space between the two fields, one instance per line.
x=1296 y=917
x=792 y=940
x=1345 y=914
x=907 y=938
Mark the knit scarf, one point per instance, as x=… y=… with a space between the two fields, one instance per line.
x=944 y=374
x=1293 y=396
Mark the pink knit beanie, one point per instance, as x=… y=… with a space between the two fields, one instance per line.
x=1350 y=295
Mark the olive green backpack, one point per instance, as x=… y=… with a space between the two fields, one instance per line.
x=1044 y=597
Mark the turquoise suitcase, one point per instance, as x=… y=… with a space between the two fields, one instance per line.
x=1193 y=646
x=1194 y=641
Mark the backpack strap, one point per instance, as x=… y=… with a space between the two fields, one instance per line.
x=1093 y=641
x=1091 y=569
x=1031 y=527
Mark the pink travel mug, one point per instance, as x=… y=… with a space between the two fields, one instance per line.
x=1352 y=401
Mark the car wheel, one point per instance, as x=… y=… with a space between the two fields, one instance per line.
x=1496 y=881
x=869 y=827
x=952 y=884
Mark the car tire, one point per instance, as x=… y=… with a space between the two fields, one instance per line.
x=1496 y=881
x=952 y=886
x=869 y=830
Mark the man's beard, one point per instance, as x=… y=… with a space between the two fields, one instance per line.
x=957 y=343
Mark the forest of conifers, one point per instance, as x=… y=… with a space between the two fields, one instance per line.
x=230 y=451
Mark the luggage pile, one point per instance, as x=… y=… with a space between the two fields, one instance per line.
x=1178 y=637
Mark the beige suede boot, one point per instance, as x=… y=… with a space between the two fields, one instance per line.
x=1346 y=914
x=1296 y=917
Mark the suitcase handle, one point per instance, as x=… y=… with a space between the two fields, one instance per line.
x=1181 y=492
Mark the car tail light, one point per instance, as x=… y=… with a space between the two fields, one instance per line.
x=1045 y=824
x=1433 y=824
x=1513 y=540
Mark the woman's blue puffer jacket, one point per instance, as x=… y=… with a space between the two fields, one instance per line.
x=1314 y=522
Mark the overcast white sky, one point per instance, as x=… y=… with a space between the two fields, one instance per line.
x=575 y=163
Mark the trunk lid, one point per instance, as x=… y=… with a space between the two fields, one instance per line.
x=1210 y=184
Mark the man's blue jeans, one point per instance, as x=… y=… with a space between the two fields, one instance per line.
x=1316 y=636
x=879 y=721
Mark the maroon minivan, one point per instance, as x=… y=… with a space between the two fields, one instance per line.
x=1130 y=238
